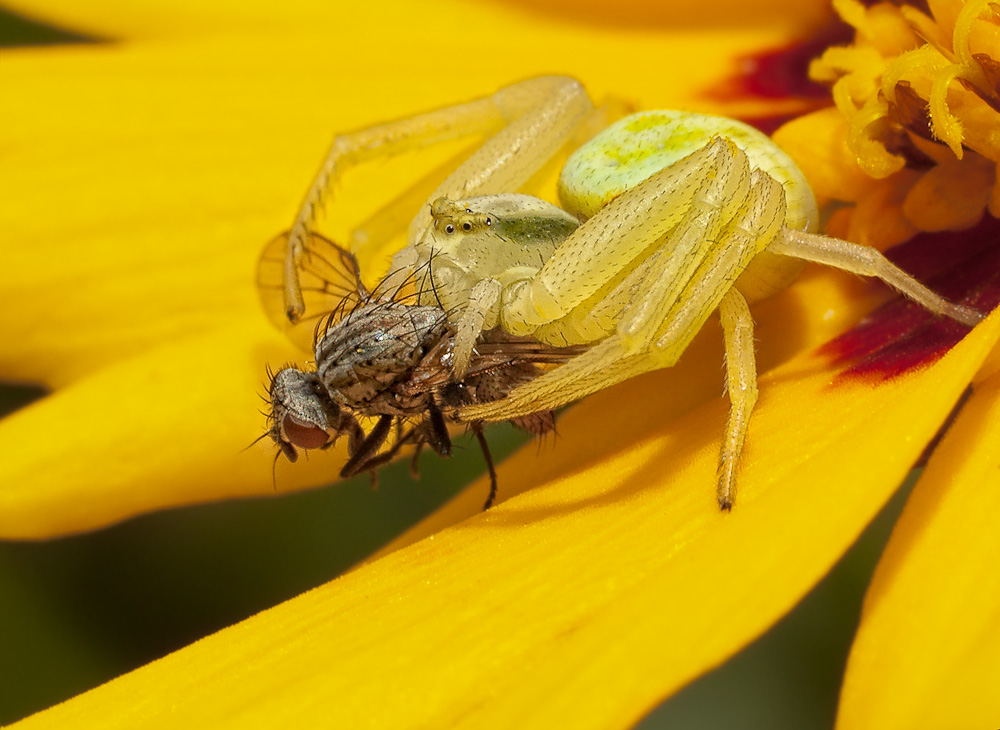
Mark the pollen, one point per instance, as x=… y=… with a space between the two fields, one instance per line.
x=918 y=99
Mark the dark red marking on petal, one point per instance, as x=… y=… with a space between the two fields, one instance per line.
x=769 y=124
x=925 y=455
x=782 y=73
x=963 y=266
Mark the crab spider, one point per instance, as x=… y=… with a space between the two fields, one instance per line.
x=667 y=218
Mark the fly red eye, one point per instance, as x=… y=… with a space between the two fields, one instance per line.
x=304 y=436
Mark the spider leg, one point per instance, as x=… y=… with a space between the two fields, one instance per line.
x=535 y=118
x=610 y=241
x=353 y=148
x=867 y=261
x=649 y=292
x=741 y=384
x=542 y=115
x=483 y=299
x=373 y=234
x=657 y=339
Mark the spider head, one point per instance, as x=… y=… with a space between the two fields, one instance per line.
x=451 y=217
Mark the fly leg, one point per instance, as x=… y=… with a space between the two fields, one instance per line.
x=477 y=428
x=366 y=457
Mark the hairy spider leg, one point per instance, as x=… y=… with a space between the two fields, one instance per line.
x=655 y=338
x=730 y=220
x=741 y=384
x=580 y=273
x=611 y=242
x=867 y=261
x=535 y=118
x=652 y=332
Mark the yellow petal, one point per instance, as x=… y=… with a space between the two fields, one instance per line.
x=141 y=181
x=927 y=653
x=817 y=143
x=168 y=427
x=951 y=196
x=819 y=306
x=193 y=404
x=122 y=19
x=877 y=219
x=487 y=625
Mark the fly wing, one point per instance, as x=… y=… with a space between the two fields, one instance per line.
x=498 y=351
x=509 y=350
x=329 y=279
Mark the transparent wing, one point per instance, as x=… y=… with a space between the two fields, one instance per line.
x=329 y=279
x=497 y=352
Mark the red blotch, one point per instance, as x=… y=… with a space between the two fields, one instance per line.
x=782 y=73
x=963 y=266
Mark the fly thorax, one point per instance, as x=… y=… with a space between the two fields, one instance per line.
x=374 y=348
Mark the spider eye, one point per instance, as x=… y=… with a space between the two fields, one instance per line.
x=468 y=210
x=467 y=226
x=449 y=228
x=489 y=221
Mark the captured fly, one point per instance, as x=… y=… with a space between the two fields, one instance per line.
x=378 y=356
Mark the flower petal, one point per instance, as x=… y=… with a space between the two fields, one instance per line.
x=817 y=143
x=487 y=625
x=951 y=196
x=820 y=305
x=141 y=181
x=168 y=427
x=122 y=19
x=170 y=391
x=171 y=200
x=927 y=653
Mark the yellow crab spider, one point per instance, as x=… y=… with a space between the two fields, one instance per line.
x=666 y=218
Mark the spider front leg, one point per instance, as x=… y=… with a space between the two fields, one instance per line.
x=741 y=384
x=867 y=261
x=646 y=317
x=696 y=234
x=529 y=266
x=530 y=122
x=723 y=236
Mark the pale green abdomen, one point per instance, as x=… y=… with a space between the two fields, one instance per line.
x=636 y=147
